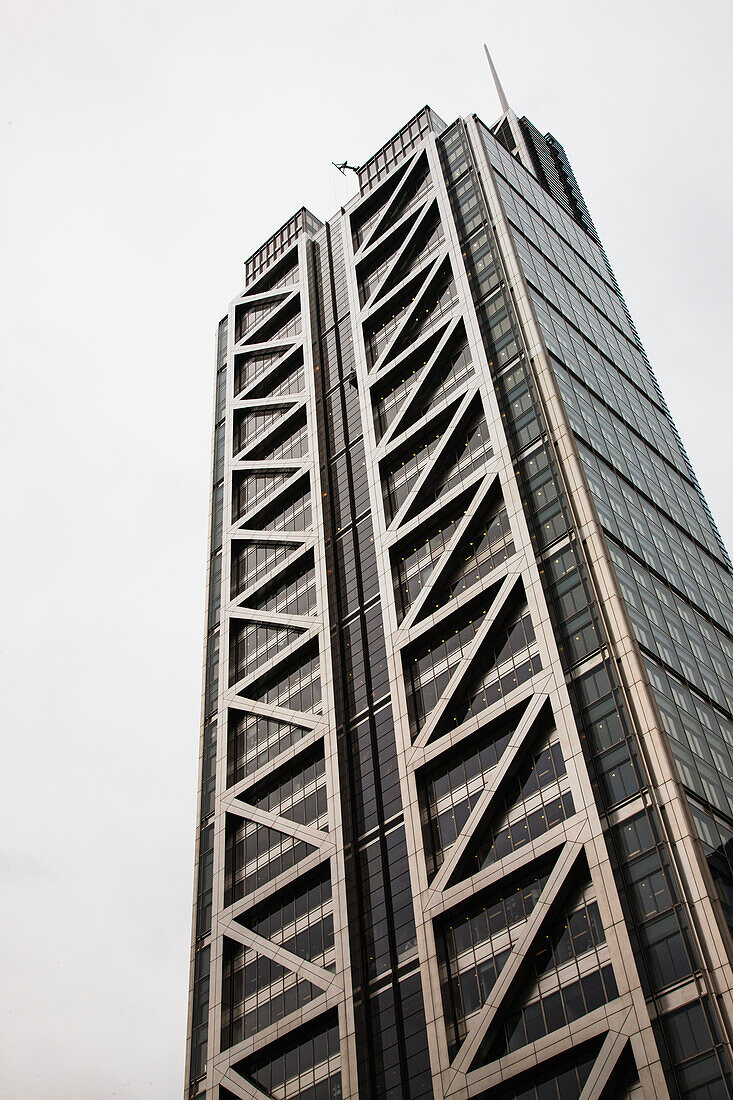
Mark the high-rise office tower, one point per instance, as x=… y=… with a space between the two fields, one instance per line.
x=466 y=809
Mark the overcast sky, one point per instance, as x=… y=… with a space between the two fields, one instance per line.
x=147 y=149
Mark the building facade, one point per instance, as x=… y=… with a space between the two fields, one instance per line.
x=466 y=801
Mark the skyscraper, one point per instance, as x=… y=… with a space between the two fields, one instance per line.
x=466 y=811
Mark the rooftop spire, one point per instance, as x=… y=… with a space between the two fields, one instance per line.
x=499 y=90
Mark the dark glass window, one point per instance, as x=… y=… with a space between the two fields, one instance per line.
x=698 y=1066
x=649 y=894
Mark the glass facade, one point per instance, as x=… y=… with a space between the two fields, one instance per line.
x=466 y=811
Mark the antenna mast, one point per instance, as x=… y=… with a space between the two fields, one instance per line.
x=497 y=83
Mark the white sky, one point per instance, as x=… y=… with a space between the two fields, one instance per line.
x=147 y=149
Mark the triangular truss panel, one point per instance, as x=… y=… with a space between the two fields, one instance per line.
x=250 y=424
x=253 y=560
x=253 y=365
x=506 y=659
x=298 y=918
x=252 y=488
x=282 y=274
x=275 y=1068
x=532 y=798
x=411 y=314
x=385 y=320
x=269 y=372
x=451 y=370
x=294 y=685
x=296 y=790
x=286 y=442
x=288 y=510
x=416 y=554
x=277 y=324
x=469 y=449
x=562 y=1077
x=372 y=210
x=451 y=785
x=424 y=242
x=485 y=546
x=286 y=379
x=431 y=662
x=536 y=1002
x=252 y=313
x=255 y=740
x=257 y=992
x=258 y=855
x=253 y=644
x=392 y=389
x=402 y=468
x=371 y=271
x=474 y=940
x=292 y=591
x=410 y=193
